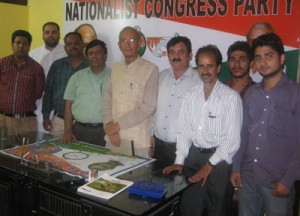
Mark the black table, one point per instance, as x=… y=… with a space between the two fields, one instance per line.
x=28 y=191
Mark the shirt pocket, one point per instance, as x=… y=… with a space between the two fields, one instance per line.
x=278 y=120
x=212 y=124
x=28 y=81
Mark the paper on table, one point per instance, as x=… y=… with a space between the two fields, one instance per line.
x=105 y=186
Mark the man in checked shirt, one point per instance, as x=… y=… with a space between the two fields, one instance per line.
x=22 y=82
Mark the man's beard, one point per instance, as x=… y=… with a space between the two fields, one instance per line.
x=272 y=74
x=52 y=44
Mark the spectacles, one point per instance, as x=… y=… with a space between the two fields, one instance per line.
x=131 y=40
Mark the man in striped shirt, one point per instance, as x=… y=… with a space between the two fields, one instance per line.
x=22 y=82
x=208 y=135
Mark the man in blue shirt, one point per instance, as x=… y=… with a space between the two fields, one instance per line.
x=268 y=163
x=59 y=73
x=173 y=85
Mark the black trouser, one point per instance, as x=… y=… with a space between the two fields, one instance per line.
x=93 y=135
x=164 y=152
x=213 y=196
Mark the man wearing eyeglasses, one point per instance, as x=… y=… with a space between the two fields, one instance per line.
x=130 y=96
x=83 y=97
x=240 y=56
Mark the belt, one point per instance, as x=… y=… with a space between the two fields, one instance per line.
x=165 y=143
x=18 y=115
x=90 y=124
x=205 y=150
x=59 y=115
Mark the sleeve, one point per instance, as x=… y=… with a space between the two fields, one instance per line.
x=48 y=96
x=231 y=135
x=147 y=107
x=107 y=101
x=184 y=141
x=293 y=172
x=40 y=82
x=70 y=92
x=237 y=158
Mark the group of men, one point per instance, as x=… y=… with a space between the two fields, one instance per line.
x=187 y=119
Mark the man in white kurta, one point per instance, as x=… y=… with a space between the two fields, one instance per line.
x=130 y=96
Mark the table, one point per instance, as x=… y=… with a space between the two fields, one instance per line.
x=28 y=191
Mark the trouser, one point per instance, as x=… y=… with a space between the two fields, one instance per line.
x=93 y=135
x=17 y=126
x=213 y=197
x=258 y=200
x=164 y=152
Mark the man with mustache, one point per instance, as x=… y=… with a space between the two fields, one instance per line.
x=173 y=84
x=59 y=73
x=22 y=82
x=240 y=56
x=208 y=135
x=46 y=55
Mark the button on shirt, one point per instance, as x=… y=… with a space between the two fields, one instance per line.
x=20 y=87
x=170 y=95
x=215 y=122
x=85 y=90
x=270 y=146
x=56 y=82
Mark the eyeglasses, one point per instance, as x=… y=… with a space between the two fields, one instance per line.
x=131 y=40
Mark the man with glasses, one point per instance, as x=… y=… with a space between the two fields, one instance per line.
x=83 y=97
x=130 y=96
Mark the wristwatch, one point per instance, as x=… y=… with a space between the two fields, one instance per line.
x=210 y=164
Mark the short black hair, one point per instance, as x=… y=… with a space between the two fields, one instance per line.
x=51 y=23
x=175 y=40
x=72 y=33
x=210 y=49
x=272 y=40
x=21 y=33
x=241 y=46
x=94 y=43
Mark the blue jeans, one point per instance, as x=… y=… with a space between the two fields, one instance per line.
x=256 y=200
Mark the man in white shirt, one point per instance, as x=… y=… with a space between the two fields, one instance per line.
x=173 y=84
x=208 y=136
x=46 y=55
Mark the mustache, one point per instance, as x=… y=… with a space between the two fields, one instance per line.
x=206 y=74
x=239 y=68
x=176 y=59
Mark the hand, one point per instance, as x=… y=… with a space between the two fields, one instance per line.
x=174 y=167
x=47 y=124
x=111 y=128
x=236 y=179
x=152 y=147
x=68 y=137
x=280 y=190
x=201 y=175
x=115 y=139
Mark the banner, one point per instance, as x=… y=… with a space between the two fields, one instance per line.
x=218 y=22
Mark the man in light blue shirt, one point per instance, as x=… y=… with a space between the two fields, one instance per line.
x=173 y=84
x=83 y=97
